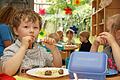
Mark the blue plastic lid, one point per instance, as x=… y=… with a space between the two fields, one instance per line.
x=87 y=62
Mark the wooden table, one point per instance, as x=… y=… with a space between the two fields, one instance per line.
x=66 y=52
x=27 y=77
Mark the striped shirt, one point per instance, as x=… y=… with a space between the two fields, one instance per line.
x=33 y=57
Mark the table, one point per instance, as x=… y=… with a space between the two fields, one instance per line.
x=27 y=77
x=66 y=52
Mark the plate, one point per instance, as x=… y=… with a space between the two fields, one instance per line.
x=40 y=72
x=111 y=72
x=71 y=47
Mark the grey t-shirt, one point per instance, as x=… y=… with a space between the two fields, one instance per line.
x=36 y=56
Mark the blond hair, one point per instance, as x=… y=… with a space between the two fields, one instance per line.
x=115 y=22
x=85 y=34
x=26 y=13
x=54 y=36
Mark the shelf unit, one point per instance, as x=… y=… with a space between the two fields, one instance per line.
x=100 y=15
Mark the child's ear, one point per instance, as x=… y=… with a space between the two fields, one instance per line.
x=15 y=31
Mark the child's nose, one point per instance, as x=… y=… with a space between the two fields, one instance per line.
x=32 y=30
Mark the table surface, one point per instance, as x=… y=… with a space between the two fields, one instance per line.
x=27 y=77
x=70 y=47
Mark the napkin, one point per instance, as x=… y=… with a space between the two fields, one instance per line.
x=21 y=78
x=4 y=76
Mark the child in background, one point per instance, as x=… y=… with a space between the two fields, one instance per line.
x=22 y=54
x=54 y=36
x=60 y=33
x=85 y=43
x=69 y=35
x=6 y=37
x=111 y=40
x=57 y=39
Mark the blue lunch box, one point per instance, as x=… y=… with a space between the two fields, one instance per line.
x=88 y=65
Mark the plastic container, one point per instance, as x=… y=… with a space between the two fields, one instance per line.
x=67 y=62
x=88 y=65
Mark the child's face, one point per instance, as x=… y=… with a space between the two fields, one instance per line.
x=117 y=36
x=60 y=35
x=109 y=24
x=28 y=28
x=82 y=39
x=57 y=38
x=69 y=35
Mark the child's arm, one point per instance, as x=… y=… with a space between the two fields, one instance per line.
x=115 y=47
x=57 y=60
x=98 y=41
x=94 y=47
x=116 y=54
x=12 y=65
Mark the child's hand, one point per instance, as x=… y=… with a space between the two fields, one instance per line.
x=100 y=41
x=110 y=39
x=50 y=43
x=27 y=41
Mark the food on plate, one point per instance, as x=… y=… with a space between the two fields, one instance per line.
x=24 y=69
x=35 y=66
x=48 y=72
x=70 y=46
x=60 y=71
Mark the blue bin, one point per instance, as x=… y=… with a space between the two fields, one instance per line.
x=88 y=65
x=67 y=62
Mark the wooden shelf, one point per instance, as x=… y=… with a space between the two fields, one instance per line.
x=102 y=23
x=100 y=15
x=97 y=11
x=100 y=10
x=95 y=25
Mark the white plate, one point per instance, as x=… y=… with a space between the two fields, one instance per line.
x=39 y=72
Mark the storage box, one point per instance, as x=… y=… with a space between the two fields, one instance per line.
x=88 y=65
x=67 y=62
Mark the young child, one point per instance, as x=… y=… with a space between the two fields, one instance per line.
x=69 y=35
x=54 y=36
x=6 y=37
x=85 y=43
x=26 y=26
x=111 y=40
x=60 y=33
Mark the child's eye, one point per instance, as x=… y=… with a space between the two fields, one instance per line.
x=35 y=27
x=25 y=26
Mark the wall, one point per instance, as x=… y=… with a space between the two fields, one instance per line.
x=18 y=3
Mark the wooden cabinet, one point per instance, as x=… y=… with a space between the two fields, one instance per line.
x=101 y=14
